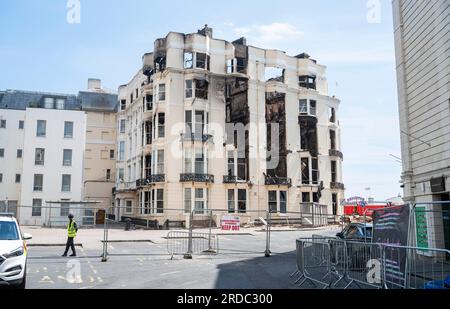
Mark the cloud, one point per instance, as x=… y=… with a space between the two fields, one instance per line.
x=270 y=34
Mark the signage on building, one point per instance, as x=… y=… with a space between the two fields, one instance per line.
x=437 y=185
x=421 y=227
x=230 y=223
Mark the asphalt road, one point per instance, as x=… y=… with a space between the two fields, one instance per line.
x=240 y=263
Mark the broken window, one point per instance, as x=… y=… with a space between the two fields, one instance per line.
x=123 y=105
x=333 y=139
x=313 y=108
x=161 y=125
x=274 y=74
x=230 y=66
x=231 y=165
x=307 y=81
x=201 y=89
x=162 y=92
x=189 y=89
x=241 y=65
x=188 y=60
x=303 y=106
x=149 y=101
x=305 y=171
x=306 y=197
x=333 y=171
x=332 y=114
x=315 y=197
x=276 y=114
x=315 y=171
x=202 y=61
x=308 y=134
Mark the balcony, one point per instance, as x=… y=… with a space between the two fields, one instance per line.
x=233 y=179
x=278 y=181
x=337 y=186
x=336 y=153
x=205 y=178
x=152 y=179
x=192 y=137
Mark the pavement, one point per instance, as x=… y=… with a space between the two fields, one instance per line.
x=139 y=259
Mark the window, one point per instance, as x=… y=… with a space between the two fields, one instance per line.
x=188 y=123
x=19 y=153
x=68 y=129
x=188 y=60
x=313 y=107
x=128 y=206
x=162 y=92
x=230 y=167
x=202 y=61
x=315 y=171
x=199 y=123
x=41 y=128
x=241 y=65
x=332 y=114
x=38 y=182
x=149 y=102
x=334 y=199
x=231 y=206
x=200 y=200
x=39 y=156
x=18 y=178
x=67 y=157
x=60 y=103
x=1 y=178
x=273 y=201
x=230 y=66
x=303 y=106
x=123 y=105
x=333 y=171
x=306 y=197
x=2 y=152
x=187 y=200
x=187 y=160
x=49 y=103
x=2 y=124
x=316 y=198
x=307 y=81
x=242 y=201
x=189 y=89
x=333 y=139
x=121 y=151
x=160 y=162
x=161 y=125
x=21 y=124
x=111 y=154
x=159 y=201
x=36 y=210
x=131 y=98
x=64 y=210
x=201 y=89
x=121 y=175
x=122 y=125
x=66 y=180
x=305 y=171
x=283 y=202
x=199 y=161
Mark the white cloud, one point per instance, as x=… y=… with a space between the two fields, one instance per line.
x=270 y=34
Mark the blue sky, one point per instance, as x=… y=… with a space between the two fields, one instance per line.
x=40 y=50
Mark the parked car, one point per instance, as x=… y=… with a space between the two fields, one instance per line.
x=13 y=252
x=356 y=232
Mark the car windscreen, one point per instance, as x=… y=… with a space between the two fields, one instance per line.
x=8 y=231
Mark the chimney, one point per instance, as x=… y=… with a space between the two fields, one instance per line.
x=94 y=84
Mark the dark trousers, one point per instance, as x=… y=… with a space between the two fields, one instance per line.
x=71 y=245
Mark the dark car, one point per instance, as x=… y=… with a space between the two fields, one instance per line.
x=356 y=232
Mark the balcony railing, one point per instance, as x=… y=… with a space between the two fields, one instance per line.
x=337 y=186
x=278 y=181
x=152 y=179
x=336 y=153
x=206 y=178
x=196 y=137
x=232 y=179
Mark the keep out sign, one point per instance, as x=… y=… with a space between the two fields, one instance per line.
x=230 y=223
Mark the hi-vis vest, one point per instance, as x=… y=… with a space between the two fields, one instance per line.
x=71 y=231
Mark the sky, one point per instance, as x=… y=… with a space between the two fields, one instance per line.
x=41 y=50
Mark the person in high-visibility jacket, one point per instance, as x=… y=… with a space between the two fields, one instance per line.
x=72 y=230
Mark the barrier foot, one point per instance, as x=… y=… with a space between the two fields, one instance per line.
x=187 y=256
x=267 y=253
x=104 y=259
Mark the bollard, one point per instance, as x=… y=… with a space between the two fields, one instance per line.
x=105 y=238
x=269 y=223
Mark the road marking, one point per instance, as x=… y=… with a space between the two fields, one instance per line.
x=171 y=273
x=99 y=279
x=46 y=279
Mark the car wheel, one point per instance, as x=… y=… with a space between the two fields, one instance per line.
x=22 y=285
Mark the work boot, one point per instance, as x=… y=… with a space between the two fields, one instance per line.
x=73 y=254
x=64 y=255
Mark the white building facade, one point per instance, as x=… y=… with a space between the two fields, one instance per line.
x=48 y=131
x=175 y=154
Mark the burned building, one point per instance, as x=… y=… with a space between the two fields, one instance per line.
x=196 y=132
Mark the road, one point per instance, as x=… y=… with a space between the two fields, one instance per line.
x=240 y=263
